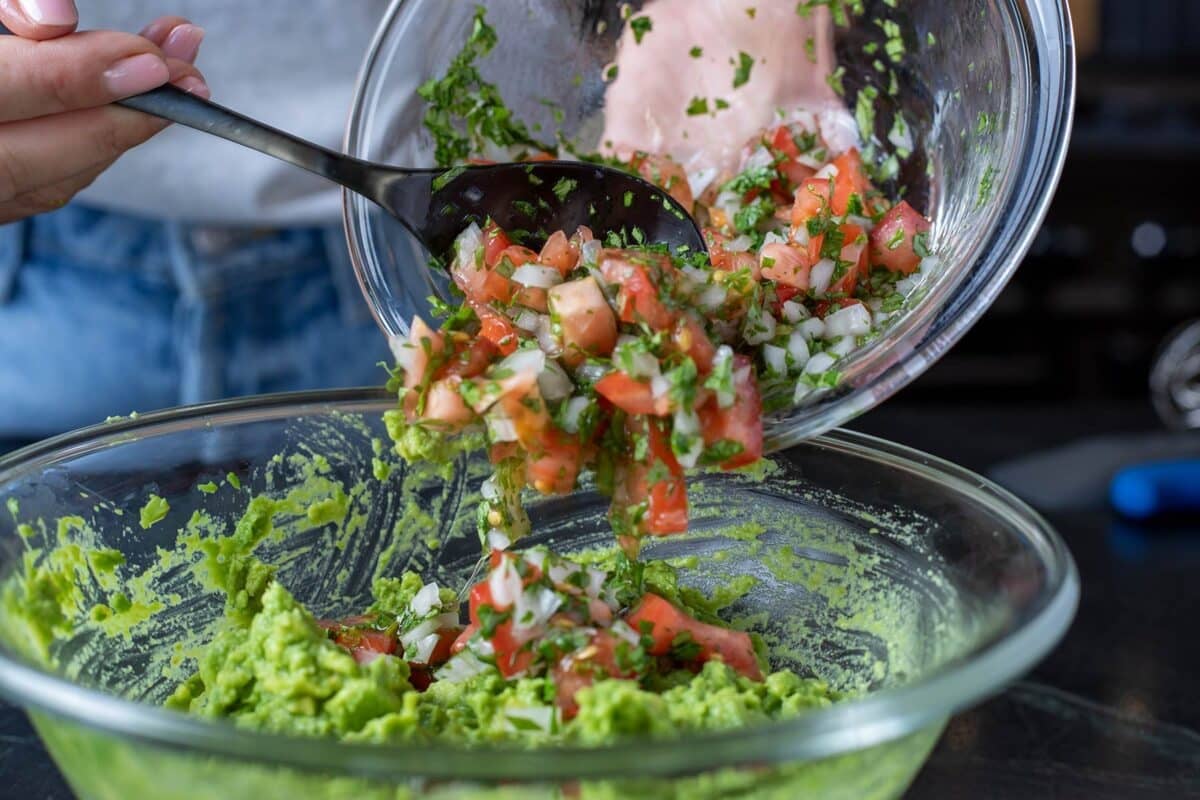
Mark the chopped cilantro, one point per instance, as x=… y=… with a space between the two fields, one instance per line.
x=741 y=73
x=640 y=27
x=697 y=106
x=564 y=187
x=696 y=51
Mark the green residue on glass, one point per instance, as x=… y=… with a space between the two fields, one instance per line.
x=233 y=480
x=380 y=469
x=14 y=508
x=208 y=488
x=153 y=512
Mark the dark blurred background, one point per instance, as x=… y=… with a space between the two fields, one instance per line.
x=1049 y=394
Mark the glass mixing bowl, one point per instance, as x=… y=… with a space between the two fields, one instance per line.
x=985 y=86
x=903 y=579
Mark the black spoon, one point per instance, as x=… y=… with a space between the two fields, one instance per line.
x=437 y=204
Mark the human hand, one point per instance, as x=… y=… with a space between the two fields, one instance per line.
x=58 y=127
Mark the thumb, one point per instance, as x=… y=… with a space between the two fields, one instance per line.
x=39 y=19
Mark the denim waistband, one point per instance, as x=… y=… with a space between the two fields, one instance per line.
x=203 y=263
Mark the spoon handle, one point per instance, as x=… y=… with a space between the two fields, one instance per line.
x=176 y=105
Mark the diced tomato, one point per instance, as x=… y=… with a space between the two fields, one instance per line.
x=718 y=256
x=496 y=328
x=554 y=467
x=665 y=622
x=665 y=173
x=854 y=251
x=541 y=155
x=588 y=325
x=528 y=414
x=471 y=357
x=783 y=144
x=366 y=645
x=580 y=669
x=741 y=422
x=665 y=499
x=441 y=652
x=786 y=264
x=445 y=407
x=533 y=297
x=511 y=657
x=480 y=162
x=811 y=199
x=892 y=239
x=631 y=395
x=692 y=340
x=424 y=347
x=851 y=179
x=560 y=253
x=420 y=677
x=638 y=299
x=495 y=242
x=516 y=255
x=460 y=643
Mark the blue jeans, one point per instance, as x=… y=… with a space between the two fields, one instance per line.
x=103 y=314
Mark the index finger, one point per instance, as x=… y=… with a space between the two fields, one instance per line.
x=83 y=70
x=39 y=19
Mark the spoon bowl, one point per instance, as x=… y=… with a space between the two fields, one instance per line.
x=435 y=204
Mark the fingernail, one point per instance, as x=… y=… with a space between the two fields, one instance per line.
x=193 y=85
x=136 y=74
x=50 y=12
x=183 y=42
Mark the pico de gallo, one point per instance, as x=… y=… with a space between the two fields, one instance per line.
x=540 y=615
x=621 y=357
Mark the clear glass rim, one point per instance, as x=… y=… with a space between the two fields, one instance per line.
x=1036 y=151
x=843 y=728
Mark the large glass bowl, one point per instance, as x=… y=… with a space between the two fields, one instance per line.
x=985 y=86
x=911 y=583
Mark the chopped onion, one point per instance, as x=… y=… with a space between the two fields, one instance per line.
x=794 y=312
x=800 y=234
x=843 y=347
x=596 y=580
x=462 y=667
x=803 y=390
x=659 y=386
x=821 y=275
x=759 y=326
x=558 y=573
x=547 y=340
x=866 y=224
x=852 y=320
x=527 y=320
x=739 y=245
x=761 y=157
x=687 y=424
x=812 y=328
x=773 y=237
x=536 y=557
x=537 y=276
x=712 y=298
x=724 y=354
x=930 y=265
x=498 y=539
x=467 y=245
x=425 y=648
x=808 y=161
x=827 y=172
x=700 y=180
x=695 y=274
x=819 y=363
x=533 y=609
x=636 y=363
x=623 y=631
x=505 y=585
x=900 y=134
x=553 y=383
x=728 y=202
x=427 y=628
x=797 y=348
x=590 y=373
x=572 y=413
x=589 y=253
x=776 y=358
x=489 y=489
x=905 y=286
x=402 y=351
x=500 y=427
x=524 y=361
x=425 y=600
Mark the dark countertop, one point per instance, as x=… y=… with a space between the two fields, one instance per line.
x=1113 y=712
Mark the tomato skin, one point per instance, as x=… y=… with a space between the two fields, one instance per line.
x=666 y=500
x=632 y=395
x=573 y=673
x=786 y=264
x=516 y=255
x=892 y=239
x=560 y=253
x=470 y=358
x=781 y=142
x=495 y=242
x=741 y=422
x=854 y=250
x=811 y=199
x=665 y=622
x=692 y=340
x=554 y=467
x=497 y=329
x=638 y=299
x=851 y=179
x=445 y=407
x=588 y=325
x=664 y=173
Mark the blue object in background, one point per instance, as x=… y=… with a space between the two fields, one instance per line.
x=1151 y=490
